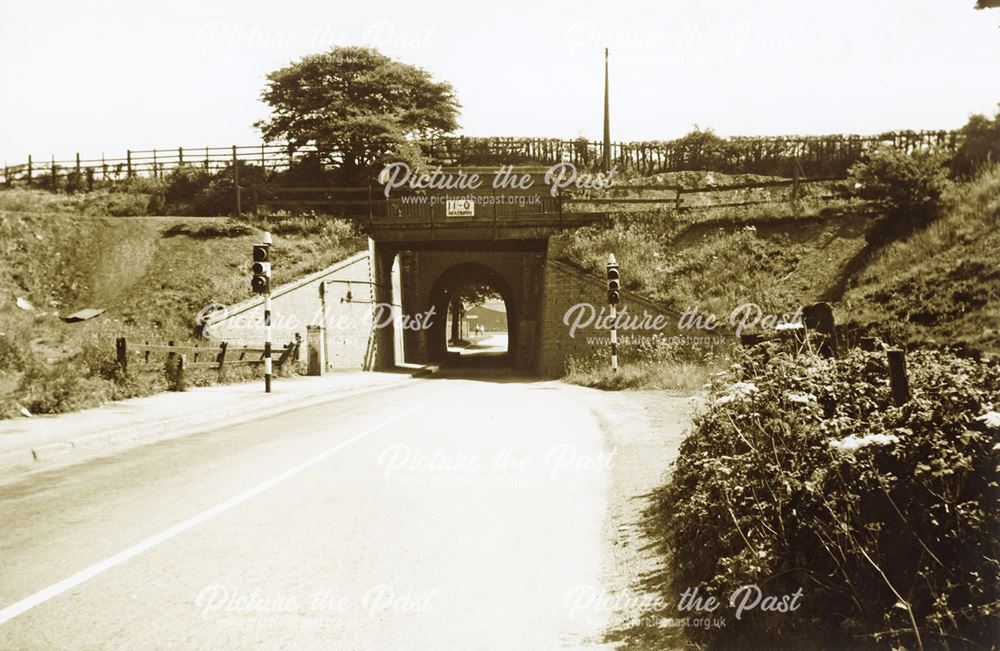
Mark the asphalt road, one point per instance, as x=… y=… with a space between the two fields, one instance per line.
x=448 y=513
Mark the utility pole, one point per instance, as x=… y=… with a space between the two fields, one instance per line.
x=607 y=118
x=614 y=296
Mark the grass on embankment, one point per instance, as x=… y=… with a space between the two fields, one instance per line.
x=941 y=285
x=684 y=377
x=151 y=274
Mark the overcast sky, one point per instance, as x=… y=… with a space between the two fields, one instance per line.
x=107 y=75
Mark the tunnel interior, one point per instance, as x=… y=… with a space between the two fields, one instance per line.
x=465 y=296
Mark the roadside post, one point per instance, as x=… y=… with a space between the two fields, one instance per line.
x=614 y=296
x=260 y=283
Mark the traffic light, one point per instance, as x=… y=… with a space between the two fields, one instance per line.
x=614 y=281
x=260 y=283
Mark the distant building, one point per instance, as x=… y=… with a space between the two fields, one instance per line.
x=492 y=317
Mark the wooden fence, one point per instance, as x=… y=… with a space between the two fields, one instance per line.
x=180 y=358
x=685 y=199
x=779 y=155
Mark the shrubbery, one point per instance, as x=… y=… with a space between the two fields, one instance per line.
x=908 y=187
x=803 y=474
x=980 y=145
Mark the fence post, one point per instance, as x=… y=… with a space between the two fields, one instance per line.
x=121 y=352
x=52 y=172
x=819 y=317
x=180 y=156
x=128 y=161
x=236 y=183
x=898 y=382
x=221 y=359
x=181 y=367
x=29 y=169
x=77 y=179
x=155 y=170
x=104 y=167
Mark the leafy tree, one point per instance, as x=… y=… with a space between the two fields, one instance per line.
x=987 y=4
x=358 y=107
x=980 y=145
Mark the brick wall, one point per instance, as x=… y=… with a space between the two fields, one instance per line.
x=567 y=286
x=316 y=299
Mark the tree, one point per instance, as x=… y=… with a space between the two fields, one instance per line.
x=980 y=145
x=987 y=4
x=358 y=107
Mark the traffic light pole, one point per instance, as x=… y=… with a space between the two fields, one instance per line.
x=260 y=283
x=267 y=341
x=614 y=338
x=614 y=295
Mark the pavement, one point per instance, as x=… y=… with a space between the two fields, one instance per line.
x=444 y=512
x=30 y=443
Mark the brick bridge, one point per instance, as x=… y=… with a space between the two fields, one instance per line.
x=418 y=255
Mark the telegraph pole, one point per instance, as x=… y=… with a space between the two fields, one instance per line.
x=607 y=118
x=614 y=296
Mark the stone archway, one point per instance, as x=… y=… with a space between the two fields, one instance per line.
x=453 y=279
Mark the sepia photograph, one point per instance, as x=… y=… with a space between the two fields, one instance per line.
x=530 y=326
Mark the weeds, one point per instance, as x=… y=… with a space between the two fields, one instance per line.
x=803 y=474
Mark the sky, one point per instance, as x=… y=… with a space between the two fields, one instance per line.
x=103 y=76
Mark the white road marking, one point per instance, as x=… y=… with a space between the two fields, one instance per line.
x=40 y=597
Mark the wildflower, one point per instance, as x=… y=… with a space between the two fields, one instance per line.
x=851 y=443
x=802 y=398
x=788 y=325
x=743 y=389
x=737 y=391
x=991 y=418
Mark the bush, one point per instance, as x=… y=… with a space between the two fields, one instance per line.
x=12 y=354
x=218 y=196
x=212 y=229
x=116 y=204
x=182 y=185
x=980 y=145
x=803 y=474
x=908 y=187
x=58 y=387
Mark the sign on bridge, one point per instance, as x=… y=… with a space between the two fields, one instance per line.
x=460 y=208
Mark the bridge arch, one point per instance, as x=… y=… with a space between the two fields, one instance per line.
x=454 y=279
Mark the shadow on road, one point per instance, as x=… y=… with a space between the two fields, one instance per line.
x=484 y=359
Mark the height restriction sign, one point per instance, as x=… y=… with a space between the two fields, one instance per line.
x=460 y=208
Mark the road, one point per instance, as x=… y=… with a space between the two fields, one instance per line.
x=448 y=513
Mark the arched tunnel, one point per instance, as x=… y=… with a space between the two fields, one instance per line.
x=454 y=284
x=429 y=274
